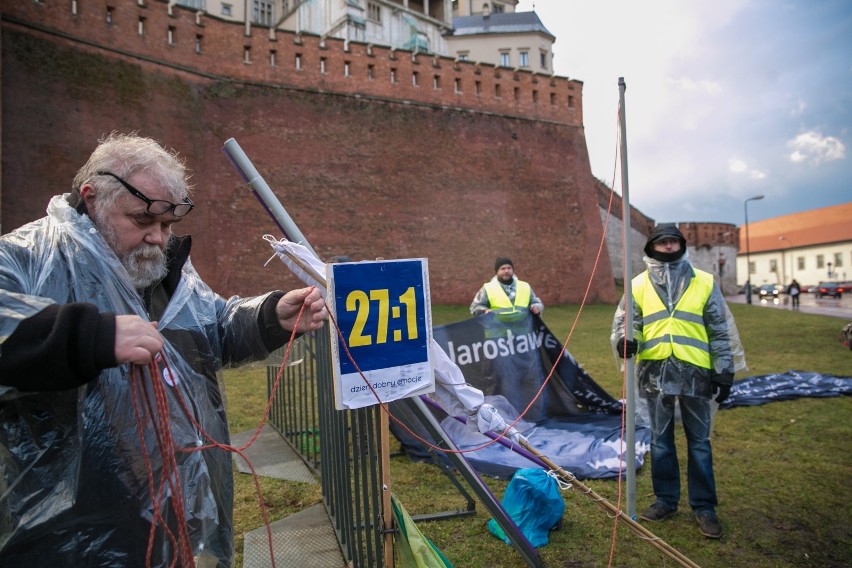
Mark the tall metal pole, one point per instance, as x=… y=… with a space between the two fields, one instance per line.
x=748 y=248
x=630 y=394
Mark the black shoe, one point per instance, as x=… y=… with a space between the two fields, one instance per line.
x=657 y=512
x=708 y=524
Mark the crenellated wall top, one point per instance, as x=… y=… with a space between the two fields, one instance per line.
x=191 y=41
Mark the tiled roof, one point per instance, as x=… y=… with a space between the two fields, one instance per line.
x=815 y=227
x=509 y=22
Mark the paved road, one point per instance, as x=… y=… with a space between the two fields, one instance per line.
x=839 y=308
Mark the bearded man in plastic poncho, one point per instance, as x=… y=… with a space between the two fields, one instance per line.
x=90 y=295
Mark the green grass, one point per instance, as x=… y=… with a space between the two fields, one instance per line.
x=782 y=469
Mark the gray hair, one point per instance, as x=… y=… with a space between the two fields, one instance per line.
x=125 y=155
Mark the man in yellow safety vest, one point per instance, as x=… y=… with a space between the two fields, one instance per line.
x=687 y=349
x=505 y=294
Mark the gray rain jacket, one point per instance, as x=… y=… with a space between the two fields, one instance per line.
x=74 y=485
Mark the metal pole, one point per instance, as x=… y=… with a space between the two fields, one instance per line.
x=748 y=248
x=264 y=194
x=630 y=394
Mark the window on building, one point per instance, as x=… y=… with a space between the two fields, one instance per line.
x=227 y=10
x=141 y=27
x=477 y=87
x=109 y=15
x=463 y=56
x=570 y=101
x=436 y=82
x=543 y=59
x=171 y=35
x=517 y=92
x=393 y=75
x=298 y=62
x=838 y=259
x=820 y=261
x=195 y=4
x=246 y=54
x=374 y=12
x=457 y=85
x=415 y=78
x=535 y=97
x=371 y=69
x=773 y=265
x=552 y=98
x=800 y=263
x=751 y=267
x=198 y=44
x=272 y=57
x=498 y=8
x=504 y=58
x=498 y=92
x=263 y=12
x=346 y=71
x=322 y=64
x=525 y=59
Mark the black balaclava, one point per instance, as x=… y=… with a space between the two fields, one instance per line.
x=661 y=232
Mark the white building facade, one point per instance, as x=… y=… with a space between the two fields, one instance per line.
x=812 y=247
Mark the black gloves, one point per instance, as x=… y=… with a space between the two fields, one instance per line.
x=721 y=386
x=630 y=351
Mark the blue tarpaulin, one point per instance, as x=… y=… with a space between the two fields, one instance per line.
x=760 y=389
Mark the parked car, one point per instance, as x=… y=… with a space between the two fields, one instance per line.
x=833 y=289
x=767 y=291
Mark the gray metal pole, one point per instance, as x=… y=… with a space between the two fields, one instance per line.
x=748 y=247
x=264 y=194
x=630 y=394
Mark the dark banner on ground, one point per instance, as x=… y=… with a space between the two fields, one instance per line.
x=572 y=420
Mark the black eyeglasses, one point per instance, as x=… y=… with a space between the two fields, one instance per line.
x=155 y=206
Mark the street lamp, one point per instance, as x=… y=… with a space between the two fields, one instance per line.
x=783 y=259
x=748 y=250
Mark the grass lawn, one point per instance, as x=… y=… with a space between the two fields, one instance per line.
x=782 y=469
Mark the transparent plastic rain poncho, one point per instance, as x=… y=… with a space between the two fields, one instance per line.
x=672 y=376
x=74 y=487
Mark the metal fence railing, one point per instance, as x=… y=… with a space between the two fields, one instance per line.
x=345 y=449
x=342 y=447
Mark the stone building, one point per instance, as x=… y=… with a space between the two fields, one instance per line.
x=374 y=151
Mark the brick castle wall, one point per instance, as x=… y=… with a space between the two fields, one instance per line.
x=363 y=174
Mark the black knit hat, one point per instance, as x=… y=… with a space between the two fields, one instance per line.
x=501 y=260
x=664 y=231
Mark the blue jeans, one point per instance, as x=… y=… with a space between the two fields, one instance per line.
x=665 y=471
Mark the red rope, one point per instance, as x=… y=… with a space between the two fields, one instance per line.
x=158 y=416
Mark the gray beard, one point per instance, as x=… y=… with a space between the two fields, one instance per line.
x=146 y=264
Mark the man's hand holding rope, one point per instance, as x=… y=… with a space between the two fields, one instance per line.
x=136 y=340
x=290 y=305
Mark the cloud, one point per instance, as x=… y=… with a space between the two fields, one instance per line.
x=737 y=166
x=700 y=86
x=814 y=148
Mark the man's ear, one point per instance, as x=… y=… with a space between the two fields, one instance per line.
x=87 y=194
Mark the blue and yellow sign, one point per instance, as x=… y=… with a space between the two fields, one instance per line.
x=384 y=315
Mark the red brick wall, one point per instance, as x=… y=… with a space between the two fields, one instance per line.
x=364 y=177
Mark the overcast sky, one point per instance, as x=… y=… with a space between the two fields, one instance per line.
x=725 y=100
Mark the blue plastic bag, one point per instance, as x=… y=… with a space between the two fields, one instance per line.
x=532 y=500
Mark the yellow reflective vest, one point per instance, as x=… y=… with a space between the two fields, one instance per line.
x=682 y=332
x=498 y=300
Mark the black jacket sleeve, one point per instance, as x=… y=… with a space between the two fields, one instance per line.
x=61 y=347
x=274 y=336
